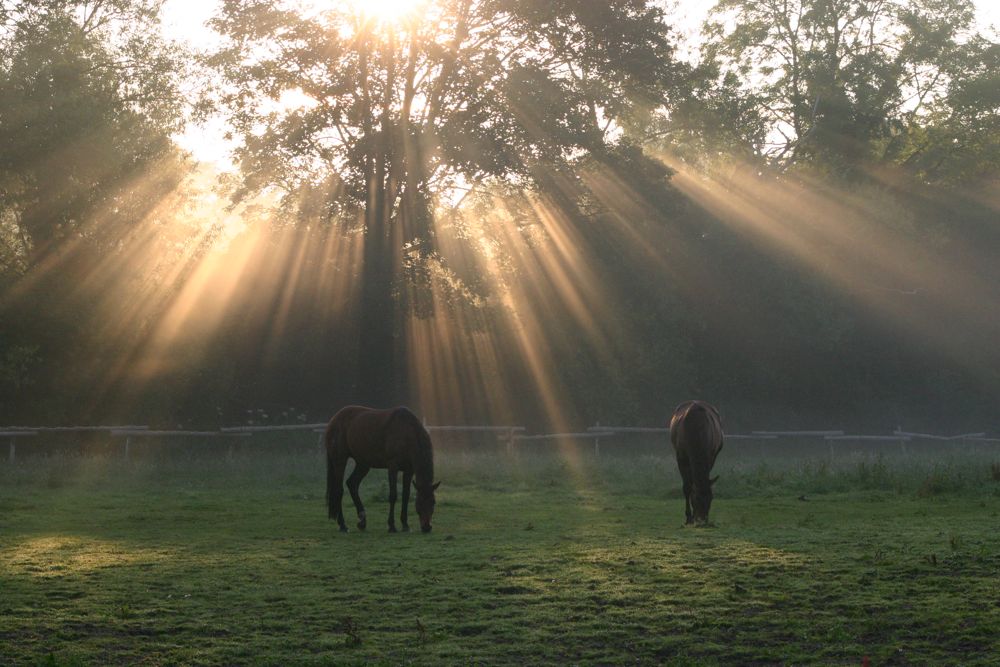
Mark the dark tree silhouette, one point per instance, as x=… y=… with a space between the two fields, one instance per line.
x=377 y=122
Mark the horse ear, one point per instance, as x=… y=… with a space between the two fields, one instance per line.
x=435 y=486
x=713 y=480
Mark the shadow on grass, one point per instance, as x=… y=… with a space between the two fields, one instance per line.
x=210 y=561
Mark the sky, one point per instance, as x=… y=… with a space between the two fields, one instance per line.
x=184 y=20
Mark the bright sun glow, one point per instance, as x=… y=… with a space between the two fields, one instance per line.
x=387 y=11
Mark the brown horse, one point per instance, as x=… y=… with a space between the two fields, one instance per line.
x=391 y=439
x=696 y=433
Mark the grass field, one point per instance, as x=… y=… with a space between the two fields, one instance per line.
x=533 y=560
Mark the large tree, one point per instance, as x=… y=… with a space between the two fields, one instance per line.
x=843 y=83
x=375 y=121
x=89 y=99
x=91 y=96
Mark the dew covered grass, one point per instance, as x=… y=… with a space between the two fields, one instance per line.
x=536 y=558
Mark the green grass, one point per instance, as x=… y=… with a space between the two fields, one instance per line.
x=540 y=559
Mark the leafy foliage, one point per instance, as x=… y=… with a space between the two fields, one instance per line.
x=90 y=101
x=467 y=91
x=490 y=164
x=846 y=83
x=90 y=98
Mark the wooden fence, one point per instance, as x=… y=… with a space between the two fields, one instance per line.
x=511 y=436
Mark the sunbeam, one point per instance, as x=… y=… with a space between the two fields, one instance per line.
x=928 y=292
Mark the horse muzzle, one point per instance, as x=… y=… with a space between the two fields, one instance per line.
x=425 y=528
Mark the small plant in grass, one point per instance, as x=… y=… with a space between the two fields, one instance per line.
x=123 y=612
x=955 y=542
x=350 y=628
x=51 y=660
x=875 y=474
x=57 y=475
x=933 y=484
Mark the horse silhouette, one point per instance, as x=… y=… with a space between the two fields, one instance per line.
x=392 y=439
x=696 y=433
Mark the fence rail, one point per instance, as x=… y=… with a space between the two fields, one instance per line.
x=510 y=435
x=268 y=429
x=887 y=438
x=132 y=433
x=628 y=429
x=614 y=430
x=928 y=436
x=14 y=432
x=478 y=429
x=798 y=434
x=69 y=429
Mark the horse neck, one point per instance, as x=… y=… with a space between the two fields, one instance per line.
x=423 y=463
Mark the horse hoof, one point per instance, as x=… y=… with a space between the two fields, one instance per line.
x=362 y=525
x=392 y=529
x=343 y=529
x=405 y=528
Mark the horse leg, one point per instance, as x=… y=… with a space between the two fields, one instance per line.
x=353 y=482
x=336 y=492
x=685 y=469
x=407 y=478
x=393 y=478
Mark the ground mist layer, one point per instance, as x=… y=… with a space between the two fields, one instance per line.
x=536 y=558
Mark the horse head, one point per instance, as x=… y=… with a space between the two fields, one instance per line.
x=425 y=504
x=701 y=500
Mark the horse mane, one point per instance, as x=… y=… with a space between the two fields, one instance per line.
x=423 y=455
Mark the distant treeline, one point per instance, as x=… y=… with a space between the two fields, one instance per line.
x=563 y=224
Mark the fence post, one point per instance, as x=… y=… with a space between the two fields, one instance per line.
x=128 y=441
x=12 y=448
x=510 y=441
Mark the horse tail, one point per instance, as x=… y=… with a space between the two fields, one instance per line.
x=328 y=438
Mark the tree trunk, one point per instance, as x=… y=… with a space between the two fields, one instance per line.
x=376 y=370
x=375 y=384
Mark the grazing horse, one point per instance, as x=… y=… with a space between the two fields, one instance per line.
x=696 y=433
x=392 y=439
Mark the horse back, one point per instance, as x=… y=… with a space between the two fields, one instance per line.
x=696 y=431
x=372 y=436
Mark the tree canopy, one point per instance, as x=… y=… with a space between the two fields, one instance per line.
x=844 y=83
x=526 y=210
x=452 y=94
x=356 y=118
x=91 y=95
x=91 y=98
